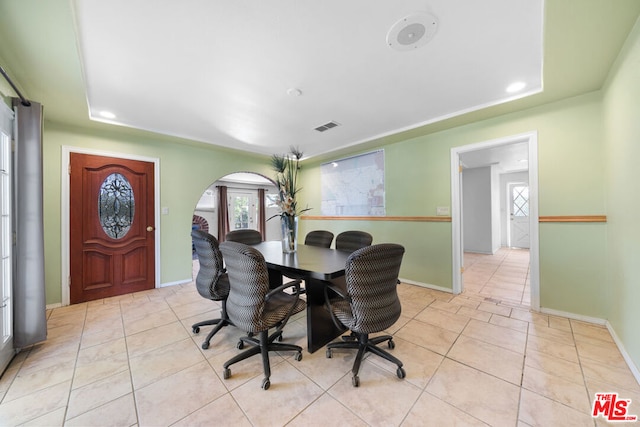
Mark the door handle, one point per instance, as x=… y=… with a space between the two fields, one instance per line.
x=150 y=228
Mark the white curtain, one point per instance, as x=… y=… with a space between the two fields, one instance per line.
x=30 y=324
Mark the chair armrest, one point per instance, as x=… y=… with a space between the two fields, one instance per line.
x=293 y=284
x=341 y=293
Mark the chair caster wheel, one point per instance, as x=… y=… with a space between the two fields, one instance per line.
x=196 y=330
x=355 y=381
x=240 y=345
x=298 y=357
x=266 y=384
x=226 y=374
x=391 y=344
x=401 y=373
x=205 y=345
x=329 y=353
x=280 y=338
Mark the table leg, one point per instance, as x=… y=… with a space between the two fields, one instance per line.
x=321 y=329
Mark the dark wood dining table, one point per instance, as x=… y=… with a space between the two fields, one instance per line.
x=316 y=266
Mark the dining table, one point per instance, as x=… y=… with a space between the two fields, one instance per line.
x=318 y=267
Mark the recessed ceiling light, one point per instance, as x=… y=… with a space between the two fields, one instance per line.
x=294 y=92
x=107 y=115
x=516 y=87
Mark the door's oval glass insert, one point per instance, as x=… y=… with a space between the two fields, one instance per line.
x=116 y=206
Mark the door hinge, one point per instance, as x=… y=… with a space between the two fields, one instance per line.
x=69 y=281
x=69 y=168
x=460 y=168
x=461 y=270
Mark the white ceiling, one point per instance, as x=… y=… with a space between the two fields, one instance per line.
x=220 y=71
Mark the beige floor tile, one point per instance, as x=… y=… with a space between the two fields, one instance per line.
x=324 y=412
x=162 y=362
x=594 y=386
x=23 y=410
x=491 y=359
x=100 y=369
x=619 y=377
x=118 y=412
x=475 y=314
x=174 y=397
x=554 y=365
x=466 y=389
x=590 y=330
x=114 y=331
x=53 y=418
x=26 y=384
x=419 y=363
x=222 y=412
x=323 y=371
x=451 y=321
x=495 y=309
x=507 y=322
x=429 y=410
x=536 y=410
x=152 y=339
x=556 y=388
x=552 y=348
x=381 y=399
x=428 y=336
x=557 y=335
x=497 y=335
x=604 y=352
x=98 y=393
x=149 y=321
x=288 y=385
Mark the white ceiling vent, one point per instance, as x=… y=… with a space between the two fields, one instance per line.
x=327 y=126
x=412 y=32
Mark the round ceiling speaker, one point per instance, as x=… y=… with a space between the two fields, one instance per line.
x=412 y=32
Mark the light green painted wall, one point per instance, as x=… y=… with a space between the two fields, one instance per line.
x=186 y=170
x=571 y=182
x=622 y=131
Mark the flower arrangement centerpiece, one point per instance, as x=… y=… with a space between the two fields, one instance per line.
x=286 y=168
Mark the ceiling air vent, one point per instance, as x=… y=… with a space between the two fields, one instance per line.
x=327 y=126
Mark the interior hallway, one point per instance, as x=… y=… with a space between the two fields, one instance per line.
x=503 y=276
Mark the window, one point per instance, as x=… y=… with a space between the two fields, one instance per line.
x=6 y=237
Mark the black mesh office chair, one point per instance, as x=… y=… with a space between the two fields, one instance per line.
x=370 y=303
x=255 y=308
x=212 y=281
x=321 y=238
x=353 y=240
x=245 y=235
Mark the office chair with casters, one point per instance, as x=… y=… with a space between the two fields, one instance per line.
x=244 y=235
x=212 y=281
x=353 y=240
x=321 y=238
x=369 y=304
x=255 y=308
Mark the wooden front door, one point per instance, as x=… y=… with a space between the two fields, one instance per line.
x=112 y=230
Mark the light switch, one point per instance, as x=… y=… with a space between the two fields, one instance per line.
x=442 y=211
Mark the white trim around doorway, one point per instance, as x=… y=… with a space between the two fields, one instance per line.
x=65 y=214
x=456 y=209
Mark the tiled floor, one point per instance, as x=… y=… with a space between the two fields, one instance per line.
x=470 y=361
x=503 y=276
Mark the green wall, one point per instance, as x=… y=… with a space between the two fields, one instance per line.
x=571 y=182
x=622 y=131
x=186 y=170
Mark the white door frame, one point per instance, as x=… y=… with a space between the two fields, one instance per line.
x=456 y=209
x=65 y=214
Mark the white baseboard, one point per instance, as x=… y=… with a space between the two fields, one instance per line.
x=625 y=355
x=52 y=306
x=427 y=285
x=177 y=282
x=602 y=322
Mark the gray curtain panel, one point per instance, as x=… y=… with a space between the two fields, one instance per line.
x=30 y=323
